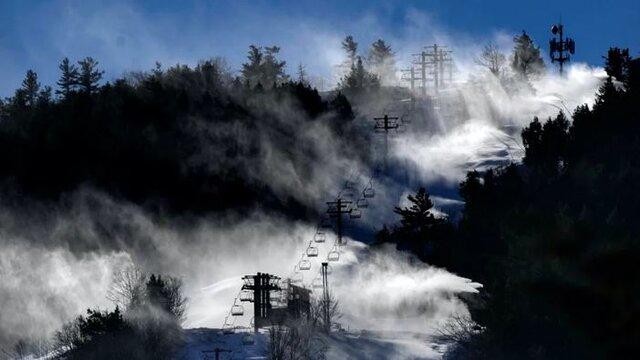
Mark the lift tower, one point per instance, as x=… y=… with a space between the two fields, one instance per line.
x=560 y=49
x=325 y=297
x=336 y=210
x=262 y=284
x=383 y=125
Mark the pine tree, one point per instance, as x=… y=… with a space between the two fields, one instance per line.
x=302 y=75
x=351 y=47
x=30 y=88
x=617 y=64
x=273 y=69
x=89 y=76
x=418 y=216
x=263 y=67
x=68 y=78
x=382 y=61
x=526 y=60
x=359 y=78
x=251 y=69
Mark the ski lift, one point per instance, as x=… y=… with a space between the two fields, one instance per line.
x=325 y=223
x=317 y=283
x=247 y=339
x=237 y=310
x=297 y=278
x=248 y=280
x=349 y=185
x=368 y=192
x=355 y=214
x=227 y=330
x=320 y=237
x=312 y=251
x=246 y=296
x=333 y=255
x=348 y=193
x=304 y=264
x=362 y=203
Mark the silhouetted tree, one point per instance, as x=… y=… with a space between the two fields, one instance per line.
x=350 y=46
x=381 y=60
x=359 y=79
x=302 y=75
x=89 y=75
x=68 y=78
x=617 y=63
x=30 y=88
x=264 y=68
x=526 y=59
x=418 y=216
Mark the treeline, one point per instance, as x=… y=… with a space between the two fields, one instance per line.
x=554 y=240
x=145 y=324
x=179 y=139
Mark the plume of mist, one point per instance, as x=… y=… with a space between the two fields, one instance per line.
x=479 y=121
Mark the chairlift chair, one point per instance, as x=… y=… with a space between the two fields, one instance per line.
x=228 y=330
x=368 y=192
x=237 y=310
x=246 y=296
x=319 y=237
x=362 y=203
x=297 y=278
x=304 y=264
x=349 y=185
x=355 y=214
x=312 y=251
x=333 y=255
x=348 y=193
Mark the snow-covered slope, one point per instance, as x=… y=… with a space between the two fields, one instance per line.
x=340 y=345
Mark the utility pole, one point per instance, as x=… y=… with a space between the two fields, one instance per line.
x=560 y=49
x=216 y=351
x=337 y=209
x=325 y=297
x=383 y=125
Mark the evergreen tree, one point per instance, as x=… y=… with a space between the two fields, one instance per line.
x=417 y=217
x=251 y=70
x=302 y=75
x=30 y=88
x=351 y=47
x=272 y=68
x=68 y=78
x=617 y=63
x=89 y=76
x=381 y=60
x=359 y=78
x=263 y=68
x=526 y=60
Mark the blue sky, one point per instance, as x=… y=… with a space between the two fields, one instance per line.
x=127 y=35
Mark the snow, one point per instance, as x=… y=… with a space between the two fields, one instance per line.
x=341 y=345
